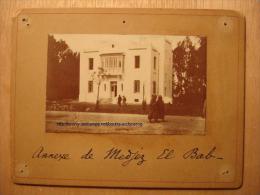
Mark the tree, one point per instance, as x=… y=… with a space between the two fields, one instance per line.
x=189 y=72
x=98 y=77
x=62 y=71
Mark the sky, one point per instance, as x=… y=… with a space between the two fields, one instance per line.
x=81 y=42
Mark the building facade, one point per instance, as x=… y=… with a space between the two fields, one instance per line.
x=134 y=70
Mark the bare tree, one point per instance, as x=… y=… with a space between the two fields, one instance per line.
x=98 y=77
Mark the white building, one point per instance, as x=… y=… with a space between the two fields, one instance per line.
x=134 y=69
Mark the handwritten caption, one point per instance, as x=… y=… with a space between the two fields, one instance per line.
x=130 y=156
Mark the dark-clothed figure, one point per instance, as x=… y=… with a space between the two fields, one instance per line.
x=204 y=108
x=124 y=101
x=153 y=109
x=160 y=108
x=144 y=105
x=119 y=99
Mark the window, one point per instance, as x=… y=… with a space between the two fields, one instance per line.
x=122 y=87
x=136 y=86
x=154 y=87
x=90 y=63
x=90 y=86
x=105 y=87
x=137 y=61
x=154 y=63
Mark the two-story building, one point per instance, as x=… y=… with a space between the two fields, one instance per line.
x=134 y=70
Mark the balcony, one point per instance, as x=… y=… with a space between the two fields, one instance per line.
x=113 y=63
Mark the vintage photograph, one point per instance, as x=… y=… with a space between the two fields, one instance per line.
x=126 y=84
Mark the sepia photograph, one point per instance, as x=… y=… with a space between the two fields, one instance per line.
x=126 y=84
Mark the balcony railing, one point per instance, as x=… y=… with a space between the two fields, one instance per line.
x=113 y=63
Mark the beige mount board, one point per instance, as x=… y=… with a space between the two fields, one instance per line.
x=148 y=159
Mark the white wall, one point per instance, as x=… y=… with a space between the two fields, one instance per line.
x=145 y=73
x=132 y=73
x=167 y=72
x=85 y=76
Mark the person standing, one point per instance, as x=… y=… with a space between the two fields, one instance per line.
x=160 y=108
x=119 y=99
x=124 y=100
x=144 y=105
x=204 y=108
x=153 y=109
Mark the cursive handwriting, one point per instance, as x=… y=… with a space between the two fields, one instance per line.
x=41 y=154
x=88 y=155
x=125 y=157
x=166 y=154
x=130 y=155
x=196 y=154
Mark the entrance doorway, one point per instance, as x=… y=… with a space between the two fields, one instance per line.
x=113 y=88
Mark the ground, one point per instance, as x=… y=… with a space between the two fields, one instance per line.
x=176 y=109
x=64 y=121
